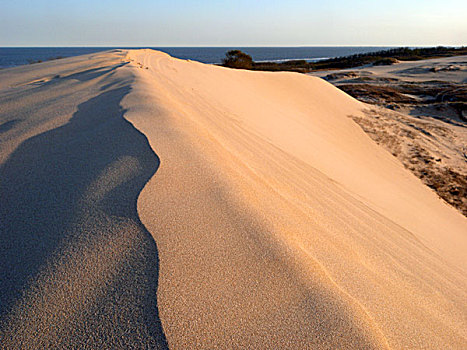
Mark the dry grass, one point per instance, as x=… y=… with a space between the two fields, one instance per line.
x=434 y=153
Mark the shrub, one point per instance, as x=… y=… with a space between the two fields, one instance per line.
x=387 y=61
x=237 y=59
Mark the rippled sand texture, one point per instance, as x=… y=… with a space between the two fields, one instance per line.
x=78 y=269
x=280 y=224
x=149 y=202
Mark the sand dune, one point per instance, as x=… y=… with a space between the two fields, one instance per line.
x=281 y=223
x=422 y=119
x=78 y=269
x=278 y=222
x=452 y=69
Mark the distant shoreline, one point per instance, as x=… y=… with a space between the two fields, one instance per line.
x=378 y=58
x=16 y=56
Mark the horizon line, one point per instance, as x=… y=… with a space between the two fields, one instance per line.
x=221 y=46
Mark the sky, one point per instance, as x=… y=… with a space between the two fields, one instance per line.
x=232 y=23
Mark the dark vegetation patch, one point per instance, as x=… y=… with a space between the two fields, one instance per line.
x=436 y=91
x=449 y=184
x=376 y=93
x=387 y=61
x=411 y=141
x=390 y=56
x=439 y=95
x=299 y=66
x=237 y=59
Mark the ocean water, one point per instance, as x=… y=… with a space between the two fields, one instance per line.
x=11 y=57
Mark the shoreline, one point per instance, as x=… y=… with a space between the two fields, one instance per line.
x=193 y=53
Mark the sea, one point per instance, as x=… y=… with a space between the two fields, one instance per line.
x=16 y=56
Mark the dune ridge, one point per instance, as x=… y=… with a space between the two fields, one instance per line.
x=152 y=202
x=280 y=223
x=78 y=270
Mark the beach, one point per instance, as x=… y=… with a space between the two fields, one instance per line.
x=154 y=202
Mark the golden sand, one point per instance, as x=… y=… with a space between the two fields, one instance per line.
x=277 y=222
x=280 y=223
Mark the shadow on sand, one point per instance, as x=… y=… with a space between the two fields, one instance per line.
x=70 y=189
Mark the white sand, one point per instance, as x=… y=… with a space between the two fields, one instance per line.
x=278 y=222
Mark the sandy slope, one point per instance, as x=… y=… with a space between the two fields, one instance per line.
x=281 y=224
x=422 y=119
x=78 y=270
x=278 y=222
x=453 y=69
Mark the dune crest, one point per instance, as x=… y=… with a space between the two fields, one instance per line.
x=148 y=201
x=279 y=223
x=78 y=270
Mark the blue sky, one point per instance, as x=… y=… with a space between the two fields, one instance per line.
x=232 y=23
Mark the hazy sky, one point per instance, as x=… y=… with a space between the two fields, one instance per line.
x=232 y=23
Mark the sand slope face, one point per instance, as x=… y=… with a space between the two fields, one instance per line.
x=78 y=270
x=280 y=224
x=424 y=120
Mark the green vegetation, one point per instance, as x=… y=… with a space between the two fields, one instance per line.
x=387 y=61
x=381 y=57
x=238 y=59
